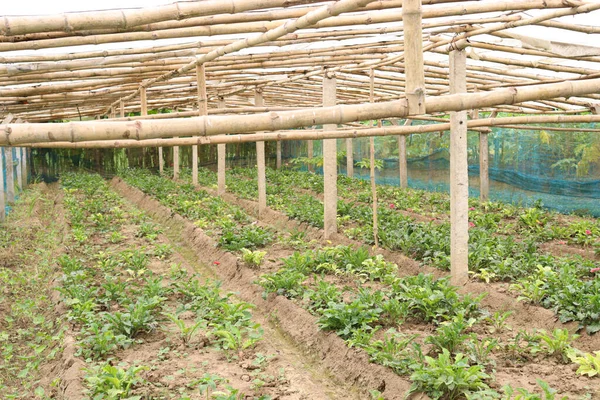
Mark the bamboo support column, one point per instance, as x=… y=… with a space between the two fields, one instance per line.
x=10 y=180
x=24 y=161
x=202 y=110
x=19 y=168
x=310 y=150
x=2 y=195
x=330 y=160
x=349 y=158
x=372 y=165
x=278 y=165
x=260 y=163
x=143 y=112
x=122 y=108
x=402 y=159
x=459 y=175
x=413 y=56
x=484 y=163
x=221 y=154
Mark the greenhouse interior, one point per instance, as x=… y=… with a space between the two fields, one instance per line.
x=300 y=199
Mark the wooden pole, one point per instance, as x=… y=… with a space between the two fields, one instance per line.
x=309 y=153
x=459 y=176
x=278 y=165
x=349 y=158
x=202 y=110
x=122 y=108
x=19 y=167
x=260 y=163
x=402 y=159
x=10 y=180
x=413 y=56
x=372 y=164
x=221 y=154
x=484 y=163
x=330 y=161
x=2 y=192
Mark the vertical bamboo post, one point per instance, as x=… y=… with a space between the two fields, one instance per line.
x=310 y=150
x=413 y=56
x=221 y=154
x=202 y=110
x=278 y=165
x=459 y=178
x=349 y=158
x=18 y=160
x=143 y=112
x=260 y=162
x=24 y=161
x=10 y=179
x=122 y=108
x=112 y=113
x=402 y=159
x=484 y=163
x=2 y=195
x=372 y=164
x=330 y=160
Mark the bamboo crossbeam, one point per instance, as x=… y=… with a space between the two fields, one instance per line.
x=124 y=19
x=316 y=134
x=307 y=20
x=15 y=134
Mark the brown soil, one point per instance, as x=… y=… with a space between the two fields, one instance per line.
x=326 y=350
x=498 y=298
x=561 y=249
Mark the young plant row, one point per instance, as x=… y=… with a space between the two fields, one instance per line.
x=415 y=300
x=31 y=332
x=456 y=361
x=115 y=300
x=228 y=224
x=573 y=295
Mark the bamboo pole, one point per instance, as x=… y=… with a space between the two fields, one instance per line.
x=305 y=21
x=212 y=125
x=372 y=163
x=260 y=164
x=459 y=176
x=413 y=55
x=349 y=158
x=329 y=161
x=127 y=18
x=402 y=159
x=19 y=171
x=484 y=153
x=319 y=134
x=221 y=154
x=202 y=110
x=10 y=180
x=2 y=191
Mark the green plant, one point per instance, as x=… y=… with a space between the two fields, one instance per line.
x=450 y=335
x=108 y=382
x=137 y=317
x=366 y=163
x=344 y=318
x=186 y=333
x=253 y=258
x=236 y=338
x=589 y=364
x=557 y=343
x=523 y=394
x=99 y=340
x=447 y=378
x=498 y=321
x=208 y=383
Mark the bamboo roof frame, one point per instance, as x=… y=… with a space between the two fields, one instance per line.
x=41 y=87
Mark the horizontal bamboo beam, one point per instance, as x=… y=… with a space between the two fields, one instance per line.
x=15 y=134
x=319 y=134
x=126 y=18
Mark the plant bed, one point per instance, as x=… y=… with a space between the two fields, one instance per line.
x=532 y=360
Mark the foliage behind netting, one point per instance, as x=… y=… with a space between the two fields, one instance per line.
x=560 y=169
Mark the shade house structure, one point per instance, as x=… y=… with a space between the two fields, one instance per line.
x=406 y=86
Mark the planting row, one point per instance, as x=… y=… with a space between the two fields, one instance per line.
x=568 y=285
x=145 y=326
x=362 y=299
